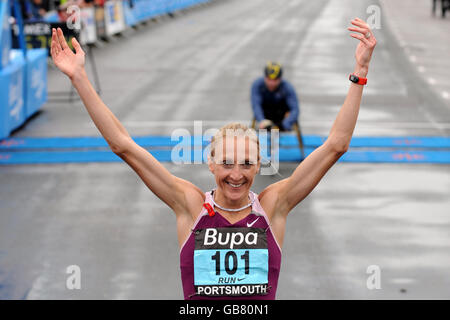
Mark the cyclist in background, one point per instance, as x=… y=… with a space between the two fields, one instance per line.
x=274 y=101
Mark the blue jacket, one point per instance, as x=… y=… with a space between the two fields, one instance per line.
x=283 y=95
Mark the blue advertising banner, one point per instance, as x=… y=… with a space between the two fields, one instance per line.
x=23 y=73
x=12 y=104
x=36 y=84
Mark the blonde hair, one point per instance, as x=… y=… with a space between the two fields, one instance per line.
x=233 y=129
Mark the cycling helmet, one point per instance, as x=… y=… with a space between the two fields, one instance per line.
x=273 y=70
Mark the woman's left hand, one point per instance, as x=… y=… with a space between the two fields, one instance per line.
x=366 y=44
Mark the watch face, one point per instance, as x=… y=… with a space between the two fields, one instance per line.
x=354 y=78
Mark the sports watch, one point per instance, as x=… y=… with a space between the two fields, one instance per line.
x=358 y=80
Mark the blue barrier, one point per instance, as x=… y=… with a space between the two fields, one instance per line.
x=12 y=104
x=5 y=35
x=36 y=80
x=146 y=9
x=174 y=5
x=129 y=14
x=23 y=75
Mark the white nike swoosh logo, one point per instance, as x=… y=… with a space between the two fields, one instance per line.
x=250 y=224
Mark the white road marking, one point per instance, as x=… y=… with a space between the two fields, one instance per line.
x=402 y=281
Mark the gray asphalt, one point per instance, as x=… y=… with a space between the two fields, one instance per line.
x=199 y=66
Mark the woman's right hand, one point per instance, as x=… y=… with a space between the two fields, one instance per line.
x=71 y=64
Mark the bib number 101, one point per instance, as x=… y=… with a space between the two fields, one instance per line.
x=231 y=262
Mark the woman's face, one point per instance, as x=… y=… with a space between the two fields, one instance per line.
x=235 y=165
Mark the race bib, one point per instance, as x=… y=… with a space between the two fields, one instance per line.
x=231 y=262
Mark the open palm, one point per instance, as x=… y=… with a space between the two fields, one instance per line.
x=68 y=62
x=366 y=44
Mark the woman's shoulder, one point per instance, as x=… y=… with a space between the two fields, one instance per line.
x=269 y=198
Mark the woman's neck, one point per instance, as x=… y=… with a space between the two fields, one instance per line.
x=222 y=201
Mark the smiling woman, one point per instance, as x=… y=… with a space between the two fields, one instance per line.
x=230 y=238
x=232 y=251
x=234 y=160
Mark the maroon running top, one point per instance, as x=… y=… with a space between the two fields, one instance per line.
x=220 y=260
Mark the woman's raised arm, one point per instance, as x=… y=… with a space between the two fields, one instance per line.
x=72 y=65
x=182 y=196
x=279 y=198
